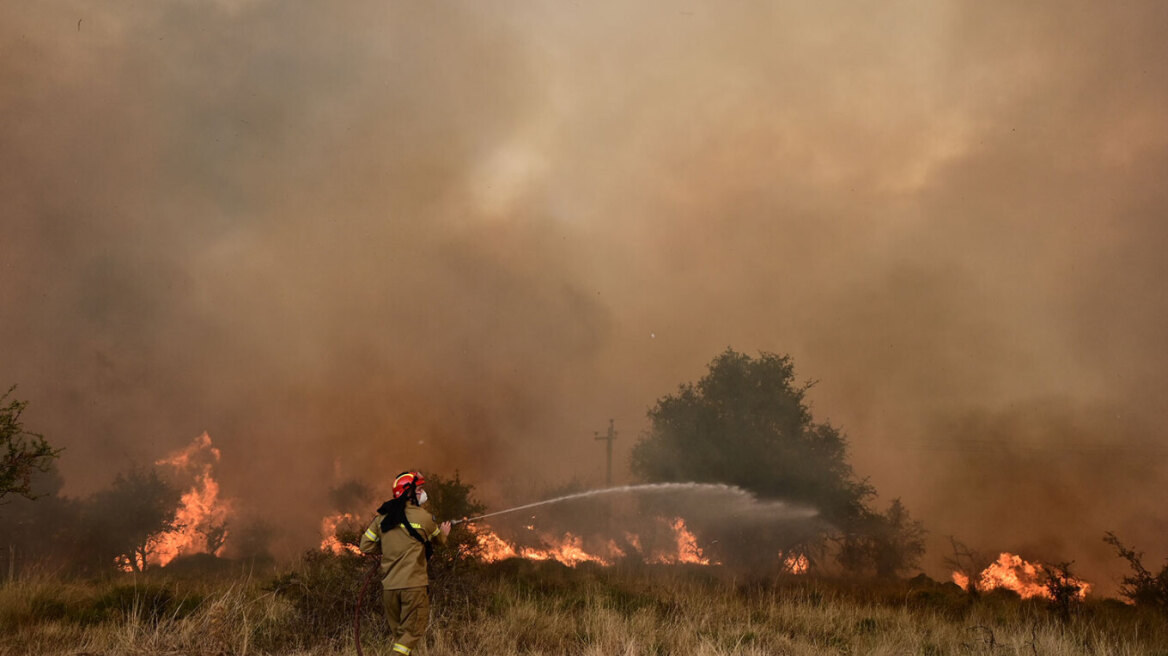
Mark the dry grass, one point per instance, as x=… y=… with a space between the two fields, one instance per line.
x=520 y=608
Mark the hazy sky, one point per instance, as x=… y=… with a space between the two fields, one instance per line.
x=350 y=238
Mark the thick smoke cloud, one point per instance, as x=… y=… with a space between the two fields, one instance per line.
x=350 y=239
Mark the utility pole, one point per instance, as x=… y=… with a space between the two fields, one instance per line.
x=608 y=451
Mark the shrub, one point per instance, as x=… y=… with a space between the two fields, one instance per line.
x=1141 y=587
x=324 y=592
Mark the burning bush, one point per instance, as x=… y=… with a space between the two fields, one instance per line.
x=201 y=520
x=1026 y=579
x=150 y=516
x=126 y=519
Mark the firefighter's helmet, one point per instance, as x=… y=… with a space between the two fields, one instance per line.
x=406 y=482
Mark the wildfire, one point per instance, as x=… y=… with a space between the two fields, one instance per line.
x=200 y=524
x=569 y=550
x=687 y=547
x=1013 y=573
x=795 y=563
x=328 y=531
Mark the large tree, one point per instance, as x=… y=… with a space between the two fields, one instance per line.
x=21 y=453
x=746 y=423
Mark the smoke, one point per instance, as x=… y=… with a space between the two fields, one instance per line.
x=351 y=240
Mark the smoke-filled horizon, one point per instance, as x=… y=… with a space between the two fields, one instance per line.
x=351 y=239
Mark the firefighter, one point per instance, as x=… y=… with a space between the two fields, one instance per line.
x=404 y=533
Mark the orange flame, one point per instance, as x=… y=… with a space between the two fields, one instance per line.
x=328 y=531
x=124 y=564
x=569 y=550
x=182 y=459
x=1013 y=573
x=200 y=524
x=961 y=580
x=687 y=548
x=201 y=520
x=492 y=548
x=795 y=563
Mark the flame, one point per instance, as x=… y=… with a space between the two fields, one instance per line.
x=182 y=459
x=961 y=580
x=328 y=531
x=124 y=563
x=492 y=548
x=796 y=563
x=687 y=547
x=201 y=520
x=1013 y=573
x=569 y=549
x=200 y=524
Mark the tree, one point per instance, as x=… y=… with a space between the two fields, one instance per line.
x=21 y=452
x=127 y=518
x=1141 y=587
x=1066 y=591
x=746 y=423
x=39 y=530
x=887 y=544
x=451 y=498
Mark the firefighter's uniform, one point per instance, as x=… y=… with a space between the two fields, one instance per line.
x=404 y=578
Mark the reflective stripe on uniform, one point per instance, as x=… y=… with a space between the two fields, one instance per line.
x=400 y=648
x=371 y=535
x=436 y=532
x=417 y=527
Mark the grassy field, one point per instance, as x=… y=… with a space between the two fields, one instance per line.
x=519 y=607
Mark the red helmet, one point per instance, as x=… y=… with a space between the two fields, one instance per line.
x=406 y=481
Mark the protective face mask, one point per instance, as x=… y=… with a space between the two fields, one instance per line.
x=422 y=497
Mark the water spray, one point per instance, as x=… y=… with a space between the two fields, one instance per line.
x=738 y=493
